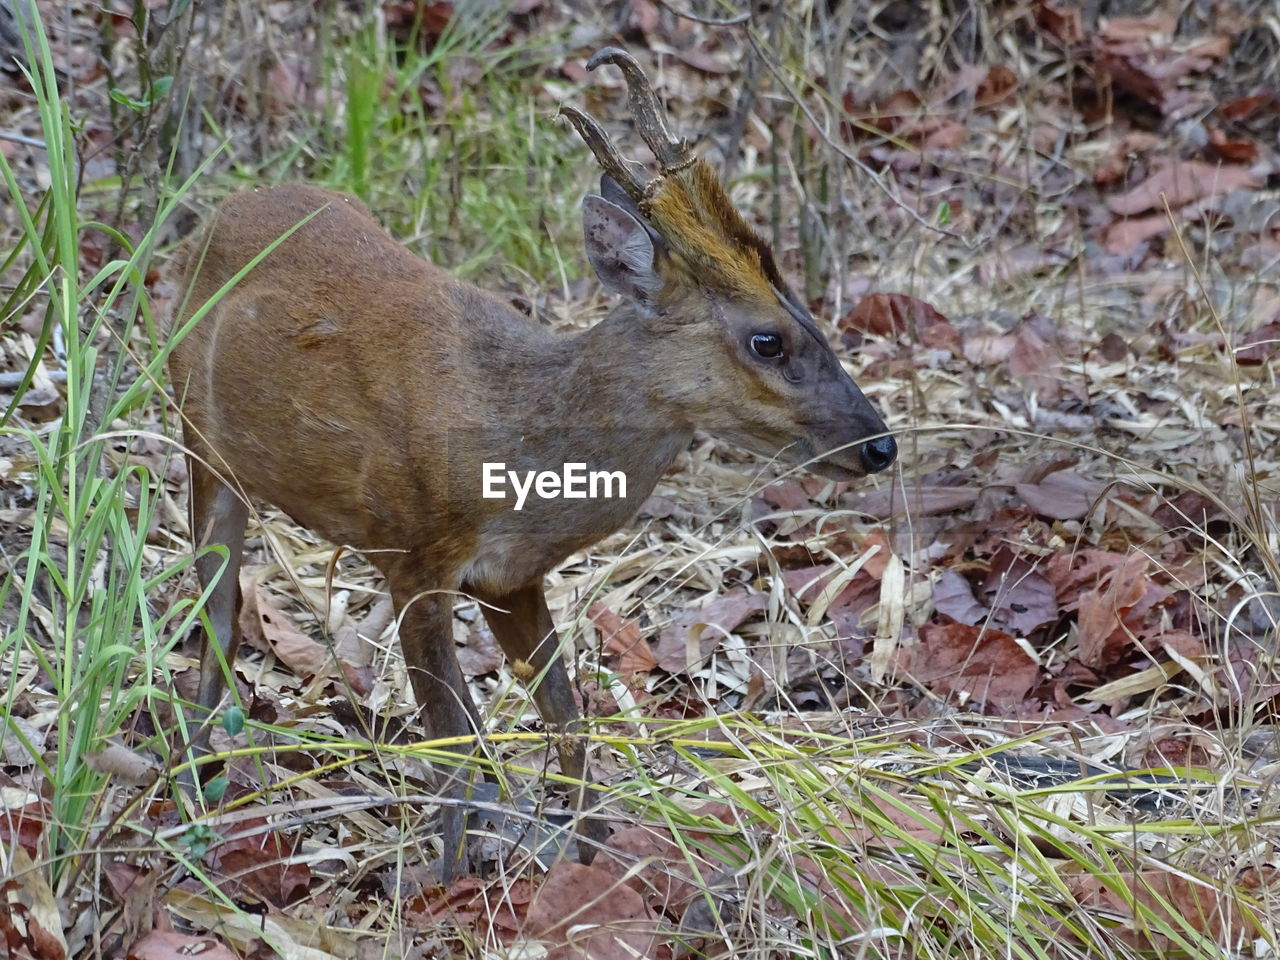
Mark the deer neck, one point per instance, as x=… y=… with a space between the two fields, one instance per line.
x=611 y=387
x=590 y=397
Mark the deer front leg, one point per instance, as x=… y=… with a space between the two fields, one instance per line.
x=426 y=637
x=523 y=627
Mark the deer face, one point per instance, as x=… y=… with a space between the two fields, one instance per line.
x=790 y=395
x=755 y=370
x=742 y=357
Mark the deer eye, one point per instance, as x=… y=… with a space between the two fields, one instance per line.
x=767 y=345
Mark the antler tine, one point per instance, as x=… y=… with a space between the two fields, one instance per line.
x=672 y=152
x=605 y=152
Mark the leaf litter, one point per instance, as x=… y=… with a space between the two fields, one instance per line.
x=1075 y=548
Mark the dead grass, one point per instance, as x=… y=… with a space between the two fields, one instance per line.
x=880 y=806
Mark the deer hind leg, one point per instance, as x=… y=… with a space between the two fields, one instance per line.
x=426 y=637
x=218 y=515
x=523 y=627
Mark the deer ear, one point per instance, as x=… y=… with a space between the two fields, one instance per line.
x=620 y=250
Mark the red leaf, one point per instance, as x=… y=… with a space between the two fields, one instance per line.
x=24 y=824
x=623 y=640
x=998 y=84
x=260 y=864
x=985 y=664
x=1063 y=25
x=582 y=911
x=1246 y=107
x=894 y=314
x=1232 y=151
x=1103 y=636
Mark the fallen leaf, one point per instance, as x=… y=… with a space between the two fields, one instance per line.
x=585 y=913
x=1244 y=108
x=896 y=315
x=267 y=627
x=1063 y=25
x=481 y=653
x=1173 y=899
x=30 y=924
x=685 y=645
x=953 y=596
x=1021 y=598
x=172 y=945
x=1182 y=183
x=1124 y=236
x=997 y=85
x=1259 y=346
x=1103 y=636
x=622 y=639
x=925 y=500
x=1062 y=495
x=664 y=878
x=980 y=663
x=125 y=765
x=1238 y=150
x=261 y=862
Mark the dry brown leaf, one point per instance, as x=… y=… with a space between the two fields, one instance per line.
x=261 y=863
x=1060 y=22
x=584 y=913
x=1182 y=183
x=30 y=924
x=665 y=880
x=1178 y=901
x=926 y=500
x=171 y=945
x=982 y=664
x=704 y=629
x=1232 y=150
x=1124 y=236
x=623 y=639
x=953 y=596
x=267 y=627
x=1020 y=596
x=899 y=315
x=1062 y=495
x=125 y=765
x=1103 y=637
x=1244 y=108
x=1258 y=346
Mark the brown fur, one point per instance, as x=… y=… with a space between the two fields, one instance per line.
x=360 y=388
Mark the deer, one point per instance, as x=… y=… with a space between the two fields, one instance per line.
x=362 y=390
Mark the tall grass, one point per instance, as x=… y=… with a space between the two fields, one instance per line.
x=82 y=591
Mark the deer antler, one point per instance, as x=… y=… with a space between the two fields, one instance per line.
x=686 y=203
x=605 y=152
x=672 y=153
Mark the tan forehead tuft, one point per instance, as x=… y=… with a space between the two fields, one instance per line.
x=694 y=214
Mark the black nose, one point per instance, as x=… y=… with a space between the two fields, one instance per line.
x=878 y=454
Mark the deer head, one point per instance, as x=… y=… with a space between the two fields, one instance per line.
x=756 y=368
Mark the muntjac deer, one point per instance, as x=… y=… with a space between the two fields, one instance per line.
x=363 y=390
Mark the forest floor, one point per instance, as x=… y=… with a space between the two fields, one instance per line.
x=1019 y=693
